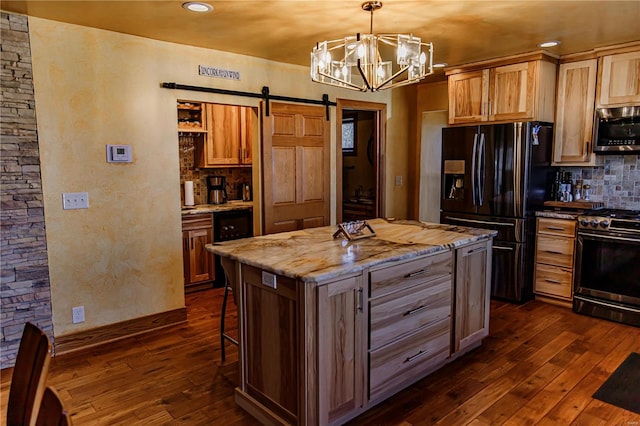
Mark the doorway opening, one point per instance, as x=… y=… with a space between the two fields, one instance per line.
x=360 y=160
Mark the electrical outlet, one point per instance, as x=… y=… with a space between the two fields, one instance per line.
x=75 y=200
x=77 y=314
x=398 y=180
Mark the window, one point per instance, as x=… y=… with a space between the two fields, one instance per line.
x=349 y=139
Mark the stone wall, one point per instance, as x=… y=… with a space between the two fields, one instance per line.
x=25 y=293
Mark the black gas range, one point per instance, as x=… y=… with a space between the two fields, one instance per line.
x=607 y=278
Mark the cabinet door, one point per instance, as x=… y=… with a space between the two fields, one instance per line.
x=573 y=139
x=468 y=97
x=341 y=346
x=473 y=281
x=272 y=343
x=619 y=79
x=511 y=91
x=200 y=260
x=223 y=135
x=246 y=135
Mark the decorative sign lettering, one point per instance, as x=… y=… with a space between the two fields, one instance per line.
x=218 y=72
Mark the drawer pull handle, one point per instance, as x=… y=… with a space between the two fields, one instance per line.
x=416 y=356
x=413 y=311
x=556 y=228
x=552 y=281
x=477 y=250
x=553 y=252
x=416 y=273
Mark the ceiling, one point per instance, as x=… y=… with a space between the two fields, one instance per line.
x=286 y=30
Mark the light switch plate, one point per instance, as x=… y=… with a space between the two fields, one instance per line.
x=75 y=200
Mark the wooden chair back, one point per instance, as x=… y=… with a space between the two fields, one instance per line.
x=29 y=374
x=52 y=412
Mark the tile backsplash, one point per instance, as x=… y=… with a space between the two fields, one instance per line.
x=235 y=176
x=614 y=180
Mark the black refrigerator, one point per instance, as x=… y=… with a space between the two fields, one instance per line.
x=496 y=176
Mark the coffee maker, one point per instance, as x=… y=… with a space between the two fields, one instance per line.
x=217 y=189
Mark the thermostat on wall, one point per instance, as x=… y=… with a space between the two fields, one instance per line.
x=118 y=153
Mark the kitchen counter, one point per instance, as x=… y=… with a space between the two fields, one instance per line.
x=216 y=208
x=328 y=328
x=555 y=214
x=313 y=255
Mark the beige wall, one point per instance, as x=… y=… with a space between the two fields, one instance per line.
x=121 y=258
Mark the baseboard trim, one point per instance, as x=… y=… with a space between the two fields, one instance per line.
x=109 y=333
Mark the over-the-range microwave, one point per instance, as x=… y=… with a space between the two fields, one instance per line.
x=618 y=130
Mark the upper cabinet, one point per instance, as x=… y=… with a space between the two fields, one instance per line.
x=619 y=80
x=574 y=114
x=605 y=77
x=520 y=88
x=229 y=136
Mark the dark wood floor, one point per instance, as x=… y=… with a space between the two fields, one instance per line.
x=540 y=365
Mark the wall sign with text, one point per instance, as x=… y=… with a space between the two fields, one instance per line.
x=218 y=72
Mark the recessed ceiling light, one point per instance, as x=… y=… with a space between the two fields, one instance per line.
x=440 y=65
x=196 y=6
x=551 y=43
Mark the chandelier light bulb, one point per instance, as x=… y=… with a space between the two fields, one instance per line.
x=423 y=58
x=361 y=50
x=402 y=51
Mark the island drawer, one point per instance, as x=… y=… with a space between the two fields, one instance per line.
x=553 y=280
x=408 y=357
x=408 y=273
x=555 y=251
x=405 y=311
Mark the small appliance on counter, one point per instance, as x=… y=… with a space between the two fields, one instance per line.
x=216 y=189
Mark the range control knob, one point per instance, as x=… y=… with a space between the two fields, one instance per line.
x=584 y=222
x=594 y=223
x=604 y=223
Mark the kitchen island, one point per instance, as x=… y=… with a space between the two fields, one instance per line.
x=330 y=327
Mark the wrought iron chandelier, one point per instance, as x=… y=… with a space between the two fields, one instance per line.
x=372 y=61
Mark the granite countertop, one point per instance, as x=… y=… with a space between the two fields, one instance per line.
x=554 y=214
x=313 y=255
x=216 y=208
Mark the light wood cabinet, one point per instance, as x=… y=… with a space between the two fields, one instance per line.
x=554 y=260
x=198 y=264
x=342 y=332
x=573 y=132
x=619 y=80
x=228 y=139
x=522 y=90
x=409 y=320
x=472 y=290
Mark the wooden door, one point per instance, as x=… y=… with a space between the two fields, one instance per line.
x=573 y=141
x=511 y=91
x=473 y=281
x=246 y=135
x=468 y=97
x=342 y=348
x=295 y=168
x=619 y=79
x=223 y=135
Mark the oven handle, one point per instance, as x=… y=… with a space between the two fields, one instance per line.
x=610 y=305
x=608 y=237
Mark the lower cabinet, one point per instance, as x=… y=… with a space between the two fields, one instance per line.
x=197 y=232
x=555 y=243
x=472 y=288
x=322 y=353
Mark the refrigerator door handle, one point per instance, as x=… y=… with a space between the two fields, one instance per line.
x=473 y=169
x=517 y=168
x=483 y=222
x=481 y=159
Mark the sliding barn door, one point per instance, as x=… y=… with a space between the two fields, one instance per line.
x=295 y=167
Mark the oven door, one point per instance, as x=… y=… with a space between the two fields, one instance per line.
x=608 y=267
